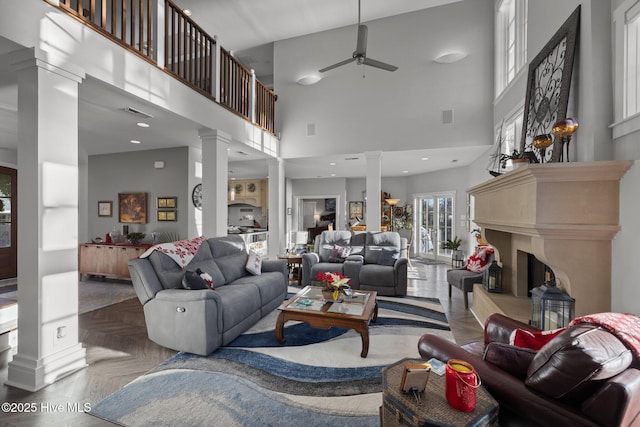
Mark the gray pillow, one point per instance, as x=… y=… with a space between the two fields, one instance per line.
x=388 y=257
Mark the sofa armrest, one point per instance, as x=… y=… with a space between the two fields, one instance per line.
x=616 y=403
x=275 y=265
x=498 y=328
x=308 y=260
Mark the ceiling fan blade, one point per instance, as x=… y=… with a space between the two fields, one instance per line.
x=361 y=45
x=378 y=64
x=339 y=64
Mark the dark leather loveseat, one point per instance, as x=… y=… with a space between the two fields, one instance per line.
x=585 y=376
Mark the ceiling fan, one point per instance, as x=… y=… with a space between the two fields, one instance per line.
x=360 y=54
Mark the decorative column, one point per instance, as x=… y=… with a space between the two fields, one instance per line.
x=48 y=224
x=277 y=239
x=215 y=171
x=374 y=188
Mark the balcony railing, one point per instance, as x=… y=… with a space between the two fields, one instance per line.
x=181 y=48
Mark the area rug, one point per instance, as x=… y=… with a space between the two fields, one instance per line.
x=95 y=294
x=317 y=378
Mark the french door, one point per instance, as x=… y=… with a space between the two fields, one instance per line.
x=8 y=226
x=435 y=216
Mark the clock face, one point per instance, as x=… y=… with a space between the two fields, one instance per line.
x=251 y=188
x=196 y=196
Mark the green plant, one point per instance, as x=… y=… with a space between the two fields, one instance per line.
x=135 y=236
x=454 y=244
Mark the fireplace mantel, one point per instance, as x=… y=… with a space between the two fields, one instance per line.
x=566 y=214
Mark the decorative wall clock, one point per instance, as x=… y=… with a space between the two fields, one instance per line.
x=548 y=87
x=196 y=196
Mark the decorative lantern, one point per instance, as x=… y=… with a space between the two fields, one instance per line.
x=551 y=308
x=493 y=277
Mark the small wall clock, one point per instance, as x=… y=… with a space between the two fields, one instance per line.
x=196 y=196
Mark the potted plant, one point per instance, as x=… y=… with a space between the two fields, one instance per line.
x=517 y=157
x=454 y=245
x=334 y=285
x=135 y=238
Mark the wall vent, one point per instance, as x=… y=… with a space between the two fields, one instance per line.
x=447 y=117
x=138 y=113
x=311 y=129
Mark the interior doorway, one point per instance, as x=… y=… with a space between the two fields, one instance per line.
x=8 y=225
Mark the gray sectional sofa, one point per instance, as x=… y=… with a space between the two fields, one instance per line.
x=200 y=321
x=376 y=260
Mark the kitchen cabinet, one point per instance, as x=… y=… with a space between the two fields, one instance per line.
x=108 y=260
x=252 y=191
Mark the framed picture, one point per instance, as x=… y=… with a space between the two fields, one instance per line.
x=356 y=210
x=548 y=87
x=105 y=208
x=398 y=211
x=132 y=208
x=167 y=216
x=167 y=202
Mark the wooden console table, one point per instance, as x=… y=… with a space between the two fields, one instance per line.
x=108 y=260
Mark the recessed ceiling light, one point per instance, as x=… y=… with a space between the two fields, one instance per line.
x=135 y=141
x=187 y=12
x=233 y=178
x=332 y=164
x=454 y=160
x=143 y=124
x=424 y=158
x=333 y=174
x=405 y=171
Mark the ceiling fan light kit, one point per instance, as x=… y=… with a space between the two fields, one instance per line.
x=360 y=54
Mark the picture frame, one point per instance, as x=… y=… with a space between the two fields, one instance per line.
x=132 y=208
x=415 y=377
x=398 y=211
x=105 y=208
x=548 y=86
x=356 y=210
x=166 y=202
x=167 y=215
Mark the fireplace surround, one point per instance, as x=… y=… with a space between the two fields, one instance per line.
x=566 y=215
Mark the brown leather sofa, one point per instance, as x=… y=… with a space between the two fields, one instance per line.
x=585 y=376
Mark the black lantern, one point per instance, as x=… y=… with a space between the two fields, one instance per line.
x=551 y=308
x=493 y=277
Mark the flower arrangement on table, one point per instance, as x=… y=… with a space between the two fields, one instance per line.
x=334 y=283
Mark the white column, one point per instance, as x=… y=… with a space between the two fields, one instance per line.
x=215 y=172
x=48 y=221
x=374 y=188
x=276 y=218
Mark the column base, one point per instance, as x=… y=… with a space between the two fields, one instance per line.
x=32 y=375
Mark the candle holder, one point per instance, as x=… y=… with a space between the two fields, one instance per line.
x=563 y=130
x=541 y=143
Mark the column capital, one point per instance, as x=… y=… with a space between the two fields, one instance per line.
x=207 y=134
x=24 y=59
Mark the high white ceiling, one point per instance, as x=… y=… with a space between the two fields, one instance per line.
x=248 y=26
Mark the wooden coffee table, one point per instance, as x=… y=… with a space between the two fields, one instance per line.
x=309 y=307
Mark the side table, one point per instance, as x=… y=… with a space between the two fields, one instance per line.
x=294 y=262
x=433 y=409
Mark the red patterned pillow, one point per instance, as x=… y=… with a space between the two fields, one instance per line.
x=479 y=260
x=532 y=340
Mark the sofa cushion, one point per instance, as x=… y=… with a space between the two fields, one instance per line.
x=388 y=257
x=377 y=275
x=170 y=273
x=565 y=366
x=339 y=253
x=375 y=241
x=358 y=241
x=234 y=266
x=509 y=358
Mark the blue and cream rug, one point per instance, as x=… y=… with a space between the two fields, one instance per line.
x=317 y=378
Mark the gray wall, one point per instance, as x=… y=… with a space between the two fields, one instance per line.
x=111 y=174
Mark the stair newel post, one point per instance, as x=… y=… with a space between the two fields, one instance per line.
x=252 y=97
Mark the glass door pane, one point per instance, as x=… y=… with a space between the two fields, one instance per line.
x=435 y=216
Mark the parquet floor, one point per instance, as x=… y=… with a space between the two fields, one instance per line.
x=118 y=351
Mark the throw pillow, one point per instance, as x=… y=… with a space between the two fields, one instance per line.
x=198 y=279
x=532 y=340
x=478 y=261
x=254 y=263
x=388 y=257
x=339 y=253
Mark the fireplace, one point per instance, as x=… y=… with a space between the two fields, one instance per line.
x=565 y=215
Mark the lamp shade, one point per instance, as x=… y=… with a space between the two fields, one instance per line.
x=392 y=202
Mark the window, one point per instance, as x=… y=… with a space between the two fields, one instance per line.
x=511 y=131
x=511 y=41
x=626 y=25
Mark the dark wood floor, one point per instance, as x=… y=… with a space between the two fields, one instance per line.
x=118 y=351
